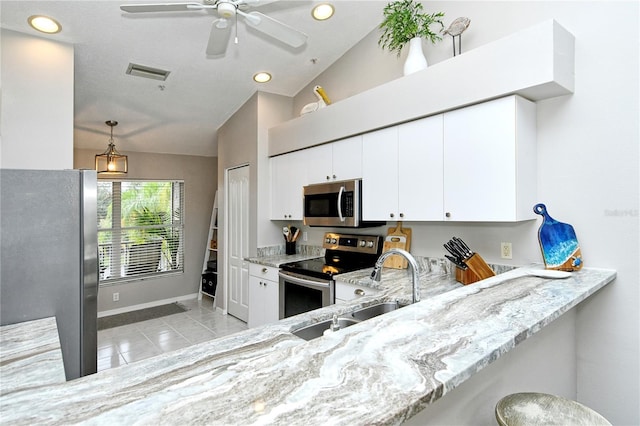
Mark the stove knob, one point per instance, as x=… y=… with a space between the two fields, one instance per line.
x=327 y=240
x=333 y=241
x=363 y=243
x=370 y=244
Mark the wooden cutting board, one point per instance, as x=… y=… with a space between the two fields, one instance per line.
x=558 y=242
x=397 y=237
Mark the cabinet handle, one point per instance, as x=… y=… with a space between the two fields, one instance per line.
x=359 y=292
x=391 y=215
x=328 y=177
x=447 y=214
x=264 y=270
x=334 y=176
x=401 y=214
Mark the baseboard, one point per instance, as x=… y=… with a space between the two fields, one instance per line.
x=146 y=305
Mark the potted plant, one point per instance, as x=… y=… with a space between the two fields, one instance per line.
x=405 y=22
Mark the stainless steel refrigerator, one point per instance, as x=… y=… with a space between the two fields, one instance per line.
x=48 y=257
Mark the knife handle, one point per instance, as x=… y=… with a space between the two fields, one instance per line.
x=479 y=267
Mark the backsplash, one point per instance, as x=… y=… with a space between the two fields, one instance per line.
x=430 y=264
x=300 y=249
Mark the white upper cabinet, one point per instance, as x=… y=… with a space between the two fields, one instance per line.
x=402 y=172
x=288 y=176
x=490 y=161
x=340 y=160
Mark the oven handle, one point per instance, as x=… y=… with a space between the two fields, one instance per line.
x=340 y=203
x=296 y=279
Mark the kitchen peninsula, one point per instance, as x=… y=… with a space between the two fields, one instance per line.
x=381 y=371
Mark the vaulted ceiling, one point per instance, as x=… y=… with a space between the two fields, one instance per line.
x=182 y=114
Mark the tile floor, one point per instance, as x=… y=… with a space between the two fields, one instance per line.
x=133 y=342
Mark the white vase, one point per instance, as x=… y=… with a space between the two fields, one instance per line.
x=415 y=59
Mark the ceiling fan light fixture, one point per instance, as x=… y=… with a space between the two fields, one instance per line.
x=262 y=77
x=226 y=10
x=322 y=11
x=111 y=162
x=44 y=24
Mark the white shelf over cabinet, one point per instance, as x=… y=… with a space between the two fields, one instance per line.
x=536 y=63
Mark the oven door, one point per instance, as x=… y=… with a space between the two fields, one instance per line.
x=301 y=293
x=332 y=204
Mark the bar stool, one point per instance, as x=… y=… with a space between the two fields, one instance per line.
x=530 y=408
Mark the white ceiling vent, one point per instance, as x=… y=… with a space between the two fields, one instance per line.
x=147 y=72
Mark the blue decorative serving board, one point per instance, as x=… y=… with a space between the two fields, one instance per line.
x=558 y=242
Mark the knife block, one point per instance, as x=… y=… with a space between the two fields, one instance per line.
x=466 y=276
x=478 y=270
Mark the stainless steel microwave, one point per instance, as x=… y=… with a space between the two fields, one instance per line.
x=335 y=204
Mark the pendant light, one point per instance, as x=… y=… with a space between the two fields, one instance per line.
x=111 y=161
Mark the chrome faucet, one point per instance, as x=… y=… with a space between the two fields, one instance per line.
x=377 y=269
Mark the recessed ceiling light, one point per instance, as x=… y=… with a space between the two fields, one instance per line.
x=44 y=24
x=322 y=11
x=262 y=77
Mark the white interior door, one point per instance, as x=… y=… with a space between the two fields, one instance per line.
x=238 y=242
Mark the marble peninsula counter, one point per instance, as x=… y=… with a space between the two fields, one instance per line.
x=380 y=371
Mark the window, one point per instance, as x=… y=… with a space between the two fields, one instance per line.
x=140 y=229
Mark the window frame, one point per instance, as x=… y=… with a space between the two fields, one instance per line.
x=171 y=242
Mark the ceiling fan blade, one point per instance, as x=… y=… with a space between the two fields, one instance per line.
x=219 y=37
x=275 y=28
x=161 y=7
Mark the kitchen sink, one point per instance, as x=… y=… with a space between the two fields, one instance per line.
x=313 y=331
x=316 y=330
x=374 y=310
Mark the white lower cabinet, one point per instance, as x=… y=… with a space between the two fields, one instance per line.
x=345 y=292
x=402 y=172
x=263 y=295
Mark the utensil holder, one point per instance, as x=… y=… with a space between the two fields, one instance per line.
x=290 y=247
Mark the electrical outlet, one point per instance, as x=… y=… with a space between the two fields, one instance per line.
x=505 y=251
x=116 y=297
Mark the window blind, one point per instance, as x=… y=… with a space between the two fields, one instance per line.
x=140 y=229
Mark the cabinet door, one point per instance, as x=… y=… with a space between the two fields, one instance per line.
x=420 y=170
x=347 y=158
x=318 y=161
x=270 y=301
x=380 y=174
x=288 y=176
x=483 y=150
x=263 y=301
x=256 y=316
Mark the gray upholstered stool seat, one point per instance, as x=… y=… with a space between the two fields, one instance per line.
x=527 y=408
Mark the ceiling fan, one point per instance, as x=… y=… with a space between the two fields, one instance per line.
x=221 y=27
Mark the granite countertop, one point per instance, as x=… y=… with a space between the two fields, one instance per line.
x=30 y=355
x=266 y=375
x=276 y=260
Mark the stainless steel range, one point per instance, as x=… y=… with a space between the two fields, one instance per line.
x=308 y=284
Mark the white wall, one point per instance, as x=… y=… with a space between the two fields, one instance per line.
x=36 y=103
x=200 y=183
x=587 y=171
x=243 y=139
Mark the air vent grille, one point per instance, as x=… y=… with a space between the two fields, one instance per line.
x=147 y=72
